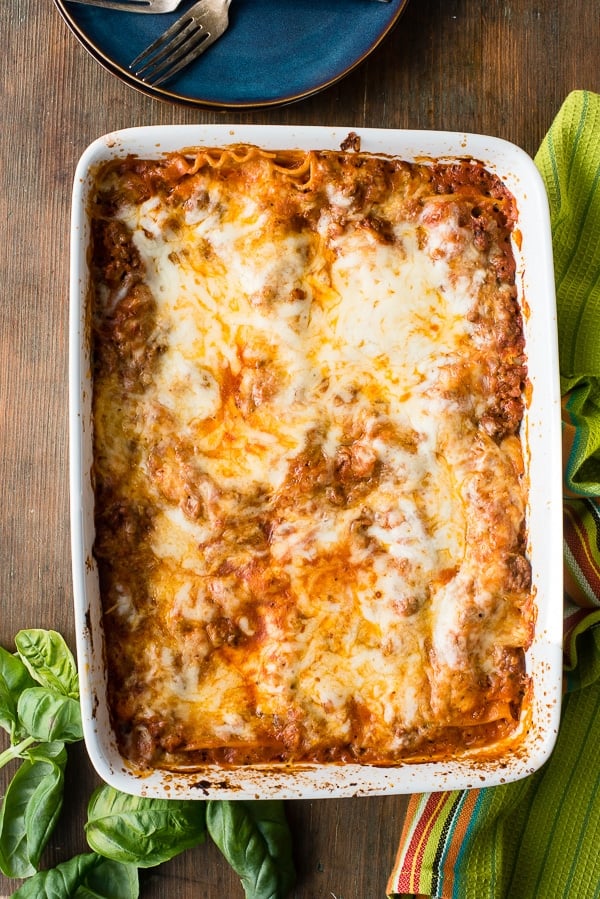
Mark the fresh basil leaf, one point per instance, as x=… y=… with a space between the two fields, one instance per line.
x=82 y=877
x=110 y=880
x=142 y=831
x=8 y=710
x=14 y=678
x=255 y=839
x=29 y=812
x=48 y=715
x=44 y=751
x=44 y=808
x=49 y=660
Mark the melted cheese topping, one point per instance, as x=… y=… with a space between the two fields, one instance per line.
x=307 y=525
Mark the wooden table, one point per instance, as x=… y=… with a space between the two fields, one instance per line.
x=501 y=68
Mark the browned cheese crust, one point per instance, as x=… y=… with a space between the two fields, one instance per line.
x=311 y=496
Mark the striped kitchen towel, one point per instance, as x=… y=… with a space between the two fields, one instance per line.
x=539 y=838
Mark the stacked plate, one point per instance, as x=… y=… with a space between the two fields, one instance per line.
x=274 y=51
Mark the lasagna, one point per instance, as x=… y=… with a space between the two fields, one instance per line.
x=309 y=383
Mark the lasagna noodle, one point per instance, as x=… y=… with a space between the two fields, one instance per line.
x=311 y=500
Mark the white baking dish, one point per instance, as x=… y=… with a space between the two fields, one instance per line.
x=542 y=435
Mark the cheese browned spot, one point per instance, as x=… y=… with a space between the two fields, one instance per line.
x=310 y=488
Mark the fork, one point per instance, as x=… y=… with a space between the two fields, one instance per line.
x=183 y=42
x=149 y=6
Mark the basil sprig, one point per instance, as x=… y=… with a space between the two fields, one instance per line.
x=39 y=708
x=40 y=711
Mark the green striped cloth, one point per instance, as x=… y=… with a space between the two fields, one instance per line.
x=539 y=838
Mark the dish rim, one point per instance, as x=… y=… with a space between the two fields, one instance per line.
x=543 y=443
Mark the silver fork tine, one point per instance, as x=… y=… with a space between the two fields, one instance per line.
x=155 y=61
x=183 y=42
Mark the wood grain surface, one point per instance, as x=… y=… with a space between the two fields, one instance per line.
x=500 y=67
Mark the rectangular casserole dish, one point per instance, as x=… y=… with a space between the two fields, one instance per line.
x=541 y=435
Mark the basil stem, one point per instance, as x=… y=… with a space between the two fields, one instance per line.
x=16 y=751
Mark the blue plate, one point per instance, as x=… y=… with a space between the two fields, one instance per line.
x=274 y=51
